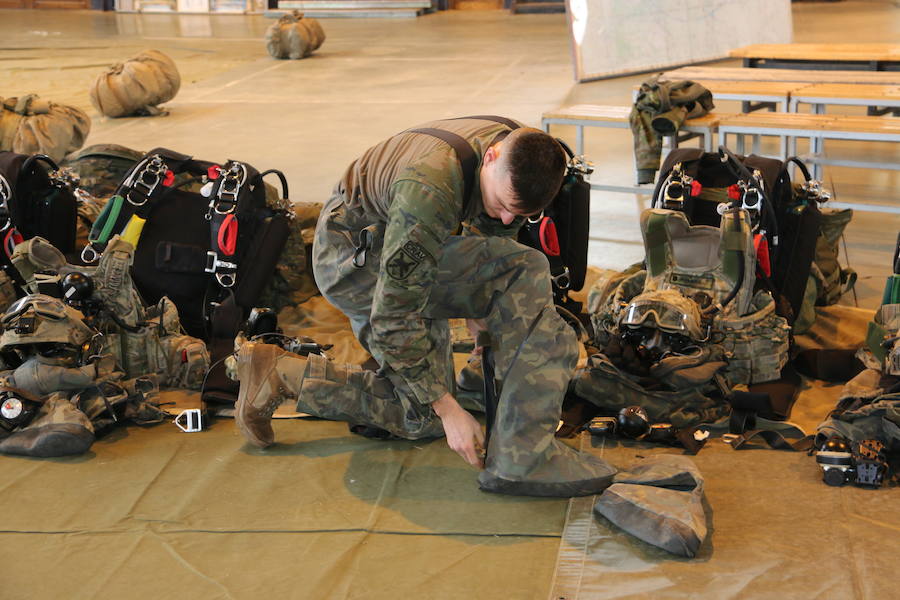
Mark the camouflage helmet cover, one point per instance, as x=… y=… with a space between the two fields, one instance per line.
x=668 y=310
x=54 y=321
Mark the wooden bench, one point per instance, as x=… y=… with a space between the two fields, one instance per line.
x=847 y=94
x=816 y=128
x=706 y=73
x=870 y=57
x=616 y=117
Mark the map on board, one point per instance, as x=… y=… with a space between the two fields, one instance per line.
x=616 y=37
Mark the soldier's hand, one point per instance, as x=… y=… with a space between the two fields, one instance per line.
x=463 y=431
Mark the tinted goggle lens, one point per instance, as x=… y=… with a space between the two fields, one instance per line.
x=661 y=315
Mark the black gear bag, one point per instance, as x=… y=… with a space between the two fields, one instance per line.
x=34 y=202
x=203 y=233
x=561 y=231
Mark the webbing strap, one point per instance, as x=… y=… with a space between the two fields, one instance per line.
x=468 y=161
x=103 y=226
x=491 y=397
x=657 y=239
x=773 y=439
x=502 y=120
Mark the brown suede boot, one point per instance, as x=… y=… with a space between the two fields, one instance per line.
x=262 y=391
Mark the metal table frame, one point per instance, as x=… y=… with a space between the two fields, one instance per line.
x=816 y=137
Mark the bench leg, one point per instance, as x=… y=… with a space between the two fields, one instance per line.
x=816 y=143
x=756 y=140
x=579 y=140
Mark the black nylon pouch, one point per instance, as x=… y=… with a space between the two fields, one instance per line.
x=176 y=222
x=571 y=214
x=172 y=257
x=260 y=258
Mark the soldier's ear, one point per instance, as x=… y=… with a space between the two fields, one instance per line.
x=491 y=155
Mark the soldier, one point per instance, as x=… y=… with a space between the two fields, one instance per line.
x=387 y=254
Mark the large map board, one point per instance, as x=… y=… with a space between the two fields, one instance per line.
x=617 y=37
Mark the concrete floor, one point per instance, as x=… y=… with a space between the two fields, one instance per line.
x=372 y=78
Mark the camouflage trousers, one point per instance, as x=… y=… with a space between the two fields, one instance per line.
x=490 y=278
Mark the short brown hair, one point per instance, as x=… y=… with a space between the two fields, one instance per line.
x=536 y=164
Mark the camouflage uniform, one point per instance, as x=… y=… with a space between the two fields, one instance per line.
x=406 y=193
x=102 y=167
x=661 y=107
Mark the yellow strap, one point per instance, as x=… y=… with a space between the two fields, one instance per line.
x=132 y=231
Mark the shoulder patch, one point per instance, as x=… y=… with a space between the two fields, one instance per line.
x=405 y=260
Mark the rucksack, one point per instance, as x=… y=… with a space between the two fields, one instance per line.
x=33 y=203
x=198 y=248
x=786 y=225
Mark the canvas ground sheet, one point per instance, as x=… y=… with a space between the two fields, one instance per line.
x=154 y=512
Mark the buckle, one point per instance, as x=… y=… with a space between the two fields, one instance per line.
x=213 y=263
x=563 y=280
x=212 y=266
x=192 y=419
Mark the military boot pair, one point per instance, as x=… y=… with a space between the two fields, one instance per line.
x=269 y=376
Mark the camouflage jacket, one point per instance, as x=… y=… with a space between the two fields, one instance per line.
x=660 y=108
x=411 y=185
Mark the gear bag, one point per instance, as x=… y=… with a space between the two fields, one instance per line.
x=34 y=202
x=561 y=231
x=196 y=248
x=696 y=183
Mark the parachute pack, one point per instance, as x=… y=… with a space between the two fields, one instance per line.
x=785 y=220
x=196 y=247
x=34 y=202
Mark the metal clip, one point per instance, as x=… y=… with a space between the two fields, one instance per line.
x=89 y=255
x=212 y=266
x=213 y=263
x=232 y=182
x=147 y=178
x=581 y=165
x=563 y=280
x=362 y=247
x=192 y=419
x=5 y=192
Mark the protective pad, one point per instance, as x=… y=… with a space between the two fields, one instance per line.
x=644 y=505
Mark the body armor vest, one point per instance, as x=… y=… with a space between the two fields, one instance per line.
x=700 y=258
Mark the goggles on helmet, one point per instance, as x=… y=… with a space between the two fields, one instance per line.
x=45 y=306
x=664 y=316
